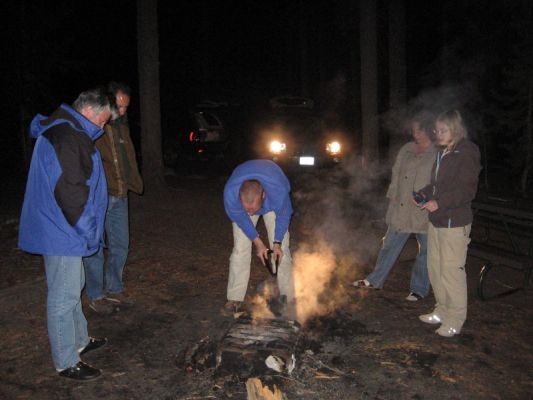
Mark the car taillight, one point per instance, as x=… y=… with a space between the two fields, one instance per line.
x=192 y=136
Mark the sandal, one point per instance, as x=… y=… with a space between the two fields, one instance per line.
x=363 y=283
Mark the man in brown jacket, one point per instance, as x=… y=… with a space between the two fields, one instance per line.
x=122 y=175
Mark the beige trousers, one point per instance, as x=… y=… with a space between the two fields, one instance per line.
x=447 y=248
x=241 y=258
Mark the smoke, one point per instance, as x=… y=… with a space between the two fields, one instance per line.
x=313 y=269
x=460 y=96
x=339 y=214
x=260 y=308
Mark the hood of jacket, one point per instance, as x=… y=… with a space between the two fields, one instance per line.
x=65 y=114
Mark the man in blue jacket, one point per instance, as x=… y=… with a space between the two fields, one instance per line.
x=258 y=188
x=63 y=220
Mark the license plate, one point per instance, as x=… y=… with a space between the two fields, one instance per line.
x=307 y=160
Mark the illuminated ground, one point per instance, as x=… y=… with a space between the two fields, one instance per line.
x=373 y=347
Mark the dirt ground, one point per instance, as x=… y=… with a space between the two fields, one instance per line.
x=363 y=345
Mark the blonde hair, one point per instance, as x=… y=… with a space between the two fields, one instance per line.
x=454 y=121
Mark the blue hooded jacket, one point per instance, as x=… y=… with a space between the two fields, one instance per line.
x=277 y=196
x=66 y=193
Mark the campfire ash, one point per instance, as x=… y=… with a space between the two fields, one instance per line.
x=253 y=346
x=264 y=336
x=261 y=339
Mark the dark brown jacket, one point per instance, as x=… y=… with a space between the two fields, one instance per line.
x=118 y=156
x=453 y=185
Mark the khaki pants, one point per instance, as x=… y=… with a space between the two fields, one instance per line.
x=447 y=248
x=241 y=258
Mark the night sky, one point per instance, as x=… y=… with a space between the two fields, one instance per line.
x=246 y=52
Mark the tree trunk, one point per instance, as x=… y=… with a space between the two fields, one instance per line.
x=529 y=135
x=369 y=81
x=397 y=71
x=148 y=60
x=304 y=54
x=204 y=50
x=24 y=117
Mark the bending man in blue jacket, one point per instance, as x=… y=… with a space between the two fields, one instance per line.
x=63 y=220
x=258 y=188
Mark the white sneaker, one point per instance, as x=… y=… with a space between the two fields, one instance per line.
x=447 y=331
x=430 y=318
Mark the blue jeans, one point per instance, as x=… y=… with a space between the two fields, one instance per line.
x=117 y=243
x=67 y=327
x=393 y=244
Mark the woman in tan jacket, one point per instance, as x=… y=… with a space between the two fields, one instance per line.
x=410 y=172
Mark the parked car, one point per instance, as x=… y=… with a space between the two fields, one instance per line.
x=200 y=135
x=293 y=135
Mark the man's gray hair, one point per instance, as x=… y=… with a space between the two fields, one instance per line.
x=95 y=98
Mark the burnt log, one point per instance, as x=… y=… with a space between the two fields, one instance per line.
x=244 y=349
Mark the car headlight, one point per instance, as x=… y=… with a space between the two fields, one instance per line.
x=333 y=148
x=277 y=147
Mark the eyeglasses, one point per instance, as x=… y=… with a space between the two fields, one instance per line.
x=440 y=131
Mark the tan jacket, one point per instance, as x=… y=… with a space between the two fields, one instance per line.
x=411 y=172
x=118 y=157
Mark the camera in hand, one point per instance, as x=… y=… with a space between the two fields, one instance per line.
x=419 y=198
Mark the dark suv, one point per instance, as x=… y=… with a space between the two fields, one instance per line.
x=294 y=135
x=206 y=136
x=201 y=134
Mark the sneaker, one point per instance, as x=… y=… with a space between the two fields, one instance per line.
x=94 y=343
x=413 y=296
x=231 y=307
x=80 y=372
x=363 y=283
x=120 y=298
x=430 y=318
x=101 y=306
x=447 y=331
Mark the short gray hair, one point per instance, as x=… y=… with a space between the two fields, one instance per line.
x=95 y=98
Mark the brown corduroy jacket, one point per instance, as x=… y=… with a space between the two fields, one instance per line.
x=118 y=157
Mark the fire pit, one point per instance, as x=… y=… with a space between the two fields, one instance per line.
x=253 y=346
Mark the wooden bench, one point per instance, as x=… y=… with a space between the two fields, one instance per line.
x=502 y=236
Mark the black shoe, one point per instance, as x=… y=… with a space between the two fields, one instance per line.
x=94 y=343
x=81 y=372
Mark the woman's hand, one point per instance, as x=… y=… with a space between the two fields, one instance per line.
x=431 y=206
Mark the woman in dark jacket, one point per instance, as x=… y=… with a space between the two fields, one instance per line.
x=449 y=196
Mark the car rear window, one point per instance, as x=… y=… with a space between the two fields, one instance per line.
x=210 y=119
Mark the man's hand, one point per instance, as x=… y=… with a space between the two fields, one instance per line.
x=431 y=206
x=278 y=253
x=261 y=250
